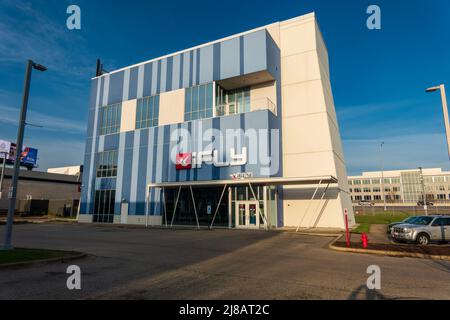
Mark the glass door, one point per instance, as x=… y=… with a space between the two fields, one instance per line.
x=247 y=215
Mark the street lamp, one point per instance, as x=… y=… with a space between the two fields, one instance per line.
x=20 y=133
x=445 y=111
x=424 y=194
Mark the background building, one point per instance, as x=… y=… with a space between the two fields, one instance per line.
x=42 y=193
x=271 y=84
x=402 y=186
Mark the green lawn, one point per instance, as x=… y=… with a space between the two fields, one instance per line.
x=24 y=255
x=387 y=217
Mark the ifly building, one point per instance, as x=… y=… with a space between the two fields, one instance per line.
x=236 y=133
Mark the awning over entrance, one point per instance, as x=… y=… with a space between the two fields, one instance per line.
x=253 y=181
x=315 y=180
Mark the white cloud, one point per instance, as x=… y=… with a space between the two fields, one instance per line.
x=10 y=115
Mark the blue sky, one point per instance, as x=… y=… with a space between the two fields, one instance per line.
x=378 y=76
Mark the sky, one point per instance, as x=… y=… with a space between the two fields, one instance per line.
x=378 y=77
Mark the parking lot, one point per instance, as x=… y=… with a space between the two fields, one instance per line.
x=135 y=263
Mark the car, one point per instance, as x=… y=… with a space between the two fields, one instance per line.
x=420 y=203
x=423 y=230
x=366 y=203
x=407 y=220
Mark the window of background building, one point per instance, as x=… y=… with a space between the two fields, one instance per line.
x=368 y=198
x=147 y=112
x=366 y=181
x=376 y=181
x=376 y=189
x=351 y=190
x=396 y=189
x=440 y=188
x=107 y=164
x=395 y=180
x=439 y=179
x=357 y=182
x=387 y=180
x=110 y=117
x=377 y=197
x=198 y=102
x=387 y=189
x=441 y=196
x=357 y=190
x=366 y=189
x=350 y=182
x=358 y=198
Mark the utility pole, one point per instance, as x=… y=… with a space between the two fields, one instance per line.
x=424 y=195
x=382 y=176
x=441 y=88
x=20 y=133
x=3 y=174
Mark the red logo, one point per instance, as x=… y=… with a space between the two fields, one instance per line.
x=184 y=161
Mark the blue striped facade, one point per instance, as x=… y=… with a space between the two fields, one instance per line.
x=144 y=155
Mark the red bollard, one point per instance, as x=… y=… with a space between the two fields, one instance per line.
x=364 y=240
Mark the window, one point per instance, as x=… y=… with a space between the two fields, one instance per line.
x=110 y=117
x=366 y=190
x=107 y=164
x=387 y=180
x=376 y=181
x=366 y=181
x=104 y=206
x=441 y=196
x=357 y=190
x=198 y=102
x=439 y=179
x=147 y=112
x=350 y=182
x=377 y=197
x=232 y=101
x=396 y=189
x=351 y=190
x=358 y=198
x=387 y=189
x=440 y=188
x=396 y=180
x=368 y=198
x=376 y=189
x=357 y=182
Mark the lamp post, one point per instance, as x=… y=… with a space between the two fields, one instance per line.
x=445 y=112
x=382 y=176
x=20 y=133
x=3 y=174
x=424 y=195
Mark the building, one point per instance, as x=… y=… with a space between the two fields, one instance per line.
x=240 y=133
x=41 y=193
x=72 y=170
x=402 y=186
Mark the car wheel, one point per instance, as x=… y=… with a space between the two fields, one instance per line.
x=423 y=239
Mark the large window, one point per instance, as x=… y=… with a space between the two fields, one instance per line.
x=104 y=206
x=232 y=101
x=107 y=164
x=147 y=112
x=110 y=118
x=199 y=102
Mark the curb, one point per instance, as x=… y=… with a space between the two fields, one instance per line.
x=397 y=254
x=42 y=261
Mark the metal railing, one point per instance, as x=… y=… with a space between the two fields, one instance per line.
x=226 y=109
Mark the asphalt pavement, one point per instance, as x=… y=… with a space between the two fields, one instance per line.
x=135 y=263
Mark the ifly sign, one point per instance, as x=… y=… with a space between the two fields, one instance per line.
x=195 y=160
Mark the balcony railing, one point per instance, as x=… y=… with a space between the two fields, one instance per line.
x=246 y=106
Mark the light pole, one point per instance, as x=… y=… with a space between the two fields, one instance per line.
x=445 y=112
x=382 y=176
x=424 y=195
x=20 y=133
x=3 y=174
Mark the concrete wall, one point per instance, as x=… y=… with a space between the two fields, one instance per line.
x=171 y=107
x=311 y=139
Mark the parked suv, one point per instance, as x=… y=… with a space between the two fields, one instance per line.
x=420 y=203
x=423 y=230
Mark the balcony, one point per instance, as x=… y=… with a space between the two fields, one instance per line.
x=226 y=109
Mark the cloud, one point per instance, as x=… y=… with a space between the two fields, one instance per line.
x=399 y=152
x=29 y=33
x=10 y=115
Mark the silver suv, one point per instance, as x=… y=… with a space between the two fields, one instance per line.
x=423 y=229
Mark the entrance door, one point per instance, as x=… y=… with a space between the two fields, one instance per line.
x=247 y=215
